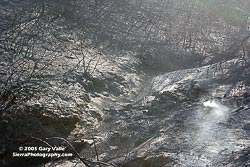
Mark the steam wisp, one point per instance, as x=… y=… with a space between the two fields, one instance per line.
x=210 y=138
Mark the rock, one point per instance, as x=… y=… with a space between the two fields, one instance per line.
x=113 y=100
x=90 y=85
x=79 y=145
x=128 y=106
x=97 y=95
x=131 y=101
x=70 y=120
x=106 y=109
x=105 y=94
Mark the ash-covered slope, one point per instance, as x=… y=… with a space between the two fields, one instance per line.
x=193 y=117
x=97 y=75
